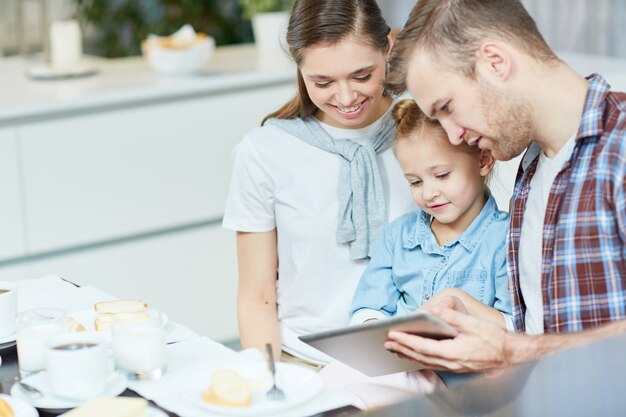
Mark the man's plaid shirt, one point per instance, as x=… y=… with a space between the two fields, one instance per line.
x=584 y=232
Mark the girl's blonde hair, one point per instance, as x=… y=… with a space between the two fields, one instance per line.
x=410 y=119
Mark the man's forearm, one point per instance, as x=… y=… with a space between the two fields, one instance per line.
x=520 y=348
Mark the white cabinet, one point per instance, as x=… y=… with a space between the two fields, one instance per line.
x=114 y=174
x=190 y=275
x=11 y=220
x=120 y=180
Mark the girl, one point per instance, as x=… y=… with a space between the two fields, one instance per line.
x=455 y=242
x=453 y=247
x=313 y=187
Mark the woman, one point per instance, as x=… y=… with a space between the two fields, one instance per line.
x=313 y=187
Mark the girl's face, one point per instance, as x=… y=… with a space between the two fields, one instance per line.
x=344 y=81
x=447 y=183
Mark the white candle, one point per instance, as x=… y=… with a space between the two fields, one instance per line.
x=66 y=46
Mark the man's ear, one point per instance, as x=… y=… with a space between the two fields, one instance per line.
x=494 y=60
x=486 y=162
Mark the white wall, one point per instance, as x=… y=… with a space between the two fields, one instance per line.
x=567 y=25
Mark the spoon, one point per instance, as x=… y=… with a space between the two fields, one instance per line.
x=28 y=389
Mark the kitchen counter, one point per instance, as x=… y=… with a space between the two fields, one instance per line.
x=129 y=82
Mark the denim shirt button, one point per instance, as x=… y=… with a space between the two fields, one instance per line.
x=444 y=260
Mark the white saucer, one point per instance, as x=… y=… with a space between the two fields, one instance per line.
x=46 y=72
x=20 y=408
x=7 y=341
x=52 y=404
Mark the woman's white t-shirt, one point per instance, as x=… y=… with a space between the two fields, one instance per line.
x=281 y=182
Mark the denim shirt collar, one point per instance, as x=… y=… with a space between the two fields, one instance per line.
x=421 y=234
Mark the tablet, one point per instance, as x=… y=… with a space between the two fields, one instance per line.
x=362 y=346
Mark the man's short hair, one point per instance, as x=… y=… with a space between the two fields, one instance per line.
x=453 y=30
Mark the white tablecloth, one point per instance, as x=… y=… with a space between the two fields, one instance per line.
x=190 y=357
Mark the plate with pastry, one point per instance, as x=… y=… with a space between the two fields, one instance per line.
x=240 y=390
x=115 y=407
x=14 y=407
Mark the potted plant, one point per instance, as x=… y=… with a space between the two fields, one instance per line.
x=251 y=8
x=269 y=22
x=117 y=28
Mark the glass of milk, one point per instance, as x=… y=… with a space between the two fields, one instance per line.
x=139 y=344
x=34 y=328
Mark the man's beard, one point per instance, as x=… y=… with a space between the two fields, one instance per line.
x=510 y=122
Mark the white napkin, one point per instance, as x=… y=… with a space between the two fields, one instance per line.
x=189 y=369
x=185 y=359
x=52 y=291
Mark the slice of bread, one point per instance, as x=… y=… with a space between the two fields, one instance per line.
x=228 y=389
x=73 y=325
x=120 y=306
x=122 y=309
x=111 y=407
x=104 y=320
x=5 y=409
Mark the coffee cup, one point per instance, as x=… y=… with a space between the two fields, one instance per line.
x=8 y=308
x=77 y=365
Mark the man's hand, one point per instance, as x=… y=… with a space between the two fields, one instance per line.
x=447 y=298
x=479 y=346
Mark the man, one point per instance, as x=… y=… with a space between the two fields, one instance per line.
x=484 y=71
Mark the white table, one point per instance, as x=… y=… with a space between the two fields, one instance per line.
x=190 y=357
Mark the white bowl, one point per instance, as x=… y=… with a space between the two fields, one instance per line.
x=179 y=60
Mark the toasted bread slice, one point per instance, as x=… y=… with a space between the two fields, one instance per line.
x=5 y=409
x=111 y=407
x=120 y=306
x=228 y=389
x=104 y=320
x=73 y=325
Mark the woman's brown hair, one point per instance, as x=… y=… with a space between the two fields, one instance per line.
x=328 y=22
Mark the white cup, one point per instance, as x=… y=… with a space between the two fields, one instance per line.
x=139 y=344
x=77 y=365
x=34 y=328
x=8 y=308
